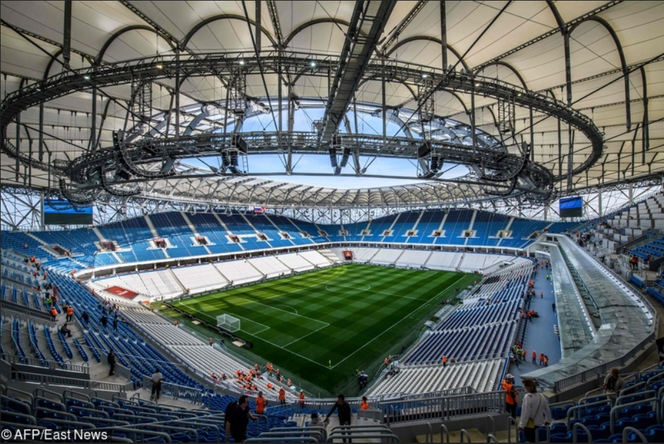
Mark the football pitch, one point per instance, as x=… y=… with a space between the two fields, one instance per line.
x=321 y=326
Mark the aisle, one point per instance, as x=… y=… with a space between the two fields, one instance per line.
x=540 y=334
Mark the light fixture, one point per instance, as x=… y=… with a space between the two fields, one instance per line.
x=241 y=62
x=424 y=76
x=159 y=66
x=86 y=77
x=312 y=63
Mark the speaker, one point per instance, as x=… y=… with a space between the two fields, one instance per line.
x=424 y=150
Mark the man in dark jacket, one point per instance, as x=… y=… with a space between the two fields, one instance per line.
x=239 y=419
x=344 y=412
x=111 y=362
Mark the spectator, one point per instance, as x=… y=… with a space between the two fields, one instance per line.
x=156 y=385
x=302 y=399
x=261 y=403
x=613 y=383
x=85 y=317
x=535 y=411
x=111 y=362
x=65 y=330
x=364 y=404
x=344 y=412
x=104 y=320
x=211 y=342
x=510 y=395
x=239 y=419
x=315 y=420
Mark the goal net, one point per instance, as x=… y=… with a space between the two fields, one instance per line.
x=228 y=322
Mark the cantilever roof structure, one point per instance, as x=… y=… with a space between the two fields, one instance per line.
x=182 y=100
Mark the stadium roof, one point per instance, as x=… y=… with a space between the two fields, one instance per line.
x=189 y=102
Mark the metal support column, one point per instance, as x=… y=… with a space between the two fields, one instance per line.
x=66 y=34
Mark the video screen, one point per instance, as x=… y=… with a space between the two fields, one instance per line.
x=571 y=207
x=61 y=212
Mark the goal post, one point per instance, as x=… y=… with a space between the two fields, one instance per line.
x=228 y=322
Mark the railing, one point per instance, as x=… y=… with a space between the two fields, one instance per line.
x=444 y=408
x=601 y=369
x=13 y=359
x=176 y=391
x=68 y=382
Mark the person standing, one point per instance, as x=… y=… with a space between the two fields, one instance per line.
x=111 y=362
x=261 y=403
x=613 y=383
x=364 y=403
x=510 y=395
x=239 y=420
x=302 y=399
x=534 y=355
x=344 y=412
x=535 y=411
x=156 y=385
x=70 y=313
x=282 y=396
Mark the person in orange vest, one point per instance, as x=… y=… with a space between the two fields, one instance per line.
x=364 y=404
x=510 y=395
x=282 y=396
x=534 y=357
x=546 y=361
x=54 y=313
x=444 y=360
x=70 y=313
x=261 y=403
x=523 y=354
x=541 y=358
x=270 y=386
x=302 y=399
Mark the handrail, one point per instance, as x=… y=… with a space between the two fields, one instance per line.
x=443 y=428
x=615 y=410
x=463 y=433
x=489 y=418
x=575 y=429
x=511 y=421
x=628 y=430
x=491 y=438
x=621 y=398
x=585 y=406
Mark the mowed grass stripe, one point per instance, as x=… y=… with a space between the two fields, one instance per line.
x=369 y=310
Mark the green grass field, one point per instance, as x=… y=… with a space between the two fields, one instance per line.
x=351 y=316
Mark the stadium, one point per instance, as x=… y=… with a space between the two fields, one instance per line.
x=420 y=205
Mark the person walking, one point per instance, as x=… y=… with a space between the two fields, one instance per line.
x=344 y=412
x=239 y=419
x=156 y=385
x=111 y=362
x=510 y=395
x=535 y=411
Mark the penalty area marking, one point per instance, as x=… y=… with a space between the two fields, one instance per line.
x=398 y=322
